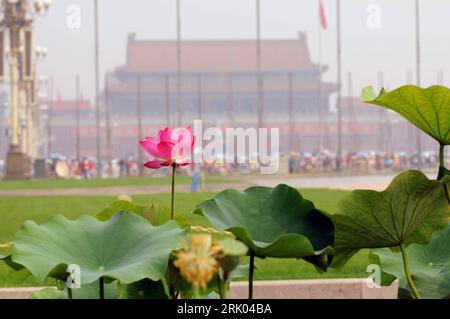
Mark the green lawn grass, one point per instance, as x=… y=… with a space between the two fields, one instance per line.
x=15 y=210
x=104 y=182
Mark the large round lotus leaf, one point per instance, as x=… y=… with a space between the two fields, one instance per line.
x=272 y=222
x=428 y=109
x=408 y=211
x=429 y=265
x=126 y=247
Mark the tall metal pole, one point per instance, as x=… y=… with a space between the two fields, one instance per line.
x=291 y=111
x=167 y=99
x=179 y=110
x=319 y=86
x=139 y=124
x=259 y=80
x=351 y=116
x=77 y=119
x=199 y=97
x=50 y=116
x=109 y=133
x=418 y=73
x=97 y=89
x=339 y=81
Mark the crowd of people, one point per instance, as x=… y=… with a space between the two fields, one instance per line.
x=297 y=163
x=64 y=167
x=86 y=168
x=361 y=162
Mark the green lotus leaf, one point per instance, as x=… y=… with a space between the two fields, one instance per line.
x=126 y=247
x=429 y=265
x=90 y=291
x=144 y=289
x=408 y=211
x=232 y=247
x=120 y=206
x=428 y=109
x=156 y=214
x=273 y=222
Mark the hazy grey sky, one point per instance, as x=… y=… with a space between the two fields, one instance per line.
x=366 y=51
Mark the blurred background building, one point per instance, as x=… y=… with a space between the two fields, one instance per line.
x=218 y=85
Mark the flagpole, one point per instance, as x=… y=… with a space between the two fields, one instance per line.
x=97 y=89
x=258 y=66
x=77 y=118
x=109 y=144
x=339 y=82
x=167 y=99
x=351 y=107
x=418 y=72
x=50 y=116
x=319 y=89
x=139 y=124
x=179 y=111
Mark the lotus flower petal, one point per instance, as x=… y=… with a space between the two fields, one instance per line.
x=150 y=145
x=153 y=164
x=168 y=135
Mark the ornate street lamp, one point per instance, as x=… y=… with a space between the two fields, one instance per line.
x=17 y=17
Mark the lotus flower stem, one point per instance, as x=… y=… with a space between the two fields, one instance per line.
x=69 y=293
x=174 y=167
x=172 y=200
x=408 y=273
x=250 y=275
x=442 y=165
x=441 y=155
x=447 y=191
x=221 y=285
x=172 y=293
x=102 y=288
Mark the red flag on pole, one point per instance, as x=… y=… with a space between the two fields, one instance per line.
x=323 y=16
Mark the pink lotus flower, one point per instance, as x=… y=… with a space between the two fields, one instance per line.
x=170 y=148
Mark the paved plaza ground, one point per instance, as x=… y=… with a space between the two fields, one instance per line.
x=341 y=182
